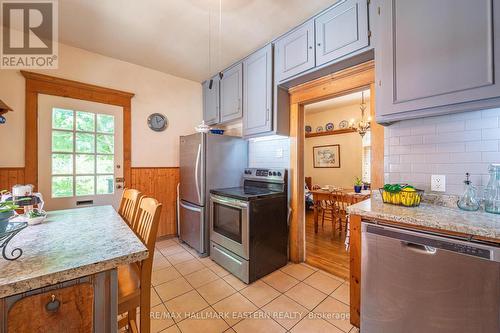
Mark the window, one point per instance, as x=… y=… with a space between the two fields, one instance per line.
x=82 y=153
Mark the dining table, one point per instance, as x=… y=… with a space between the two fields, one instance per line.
x=61 y=275
x=320 y=195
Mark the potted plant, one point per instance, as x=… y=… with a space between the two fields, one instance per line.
x=358 y=185
x=7 y=209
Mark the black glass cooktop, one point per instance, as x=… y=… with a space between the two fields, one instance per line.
x=246 y=193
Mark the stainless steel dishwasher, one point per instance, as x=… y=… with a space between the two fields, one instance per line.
x=413 y=282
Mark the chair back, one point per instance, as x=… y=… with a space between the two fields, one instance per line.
x=341 y=200
x=146 y=222
x=128 y=205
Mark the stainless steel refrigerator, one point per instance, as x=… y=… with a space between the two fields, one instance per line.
x=207 y=161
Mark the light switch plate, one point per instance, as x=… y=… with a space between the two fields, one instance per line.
x=438 y=183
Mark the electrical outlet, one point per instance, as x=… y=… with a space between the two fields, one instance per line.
x=438 y=183
x=279 y=153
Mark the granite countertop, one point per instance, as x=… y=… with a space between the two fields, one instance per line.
x=427 y=215
x=69 y=244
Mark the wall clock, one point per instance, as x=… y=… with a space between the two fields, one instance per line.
x=157 y=122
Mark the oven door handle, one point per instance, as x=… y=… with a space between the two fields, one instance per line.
x=229 y=202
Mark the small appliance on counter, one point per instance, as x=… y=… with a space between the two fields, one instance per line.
x=24 y=197
x=249 y=224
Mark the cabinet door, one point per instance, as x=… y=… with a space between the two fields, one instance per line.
x=211 y=101
x=258 y=92
x=295 y=52
x=231 y=91
x=436 y=57
x=341 y=30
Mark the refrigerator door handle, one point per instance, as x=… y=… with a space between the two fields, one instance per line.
x=191 y=208
x=197 y=171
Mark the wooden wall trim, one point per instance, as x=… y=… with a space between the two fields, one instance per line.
x=160 y=183
x=343 y=82
x=44 y=84
x=10 y=177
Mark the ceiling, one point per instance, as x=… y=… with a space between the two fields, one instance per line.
x=337 y=102
x=172 y=36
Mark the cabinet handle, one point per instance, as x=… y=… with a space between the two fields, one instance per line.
x=267 y=114
x=310 y=47
x=319 y=44
x=53 y=305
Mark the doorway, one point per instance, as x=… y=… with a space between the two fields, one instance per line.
x=80 y=152
x=340 y=83
x=336 y=156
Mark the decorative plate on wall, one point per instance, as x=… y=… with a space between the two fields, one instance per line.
x=308 y=129
x=329 y=127
x=344 y=124
x=319 y=129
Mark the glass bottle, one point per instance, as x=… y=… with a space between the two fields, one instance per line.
x=492 y=190
x=469 y=200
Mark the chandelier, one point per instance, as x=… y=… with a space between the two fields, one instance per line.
x=362 y=125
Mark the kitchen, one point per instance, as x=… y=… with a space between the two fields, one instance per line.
x=434 y=117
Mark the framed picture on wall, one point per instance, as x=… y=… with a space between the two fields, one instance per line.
x=326 y=156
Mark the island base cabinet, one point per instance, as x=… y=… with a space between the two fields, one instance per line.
x=84 y=305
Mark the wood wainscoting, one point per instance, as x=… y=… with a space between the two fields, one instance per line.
x=10 y=177
x=160 y=183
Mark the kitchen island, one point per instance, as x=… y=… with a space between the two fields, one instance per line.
x=434 y=216
x=67 y=270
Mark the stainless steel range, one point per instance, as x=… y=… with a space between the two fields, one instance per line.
x=249 y=224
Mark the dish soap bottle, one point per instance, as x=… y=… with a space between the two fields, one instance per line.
x=469 y=200
x=492 y=190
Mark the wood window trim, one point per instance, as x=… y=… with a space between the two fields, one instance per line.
x=50 y=85
x=349 y=80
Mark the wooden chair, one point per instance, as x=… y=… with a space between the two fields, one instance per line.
x=128 y=205
x=134 y=280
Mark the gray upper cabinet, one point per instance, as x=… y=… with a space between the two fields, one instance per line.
x=211 y=101
x=341 y=30
x=231 y=93
x=258 y=92
x=295 y=52
x=436 y=57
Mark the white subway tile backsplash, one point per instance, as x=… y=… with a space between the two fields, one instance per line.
x=451 y=145
x=263 y=153
x=450 y=126
x=489 y=145
x=491 y=157
x=490 y=122
x=491 y=134
x=410 y=140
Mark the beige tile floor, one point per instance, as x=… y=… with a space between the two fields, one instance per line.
x=192 y=294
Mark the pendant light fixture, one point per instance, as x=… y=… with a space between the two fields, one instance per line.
x=362 y=125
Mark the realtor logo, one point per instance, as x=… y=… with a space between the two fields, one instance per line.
x=29 y=34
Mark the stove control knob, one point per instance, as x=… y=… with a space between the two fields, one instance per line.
x=279 y=174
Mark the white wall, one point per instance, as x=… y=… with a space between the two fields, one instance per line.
x=179 y=99
x=448 y=145
x=350 y=148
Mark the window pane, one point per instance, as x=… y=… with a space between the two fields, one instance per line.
x=105 y=144
x=105 y=184
x=105 y=123
x=62 y=119
x=105 y=163
x=62 y=186
x=84 y=143
x=85 y=121
x=84 y=164
x=62 y=164
x=84 y=185
x=62 y=141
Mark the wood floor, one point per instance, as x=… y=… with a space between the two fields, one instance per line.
x=325 y=252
